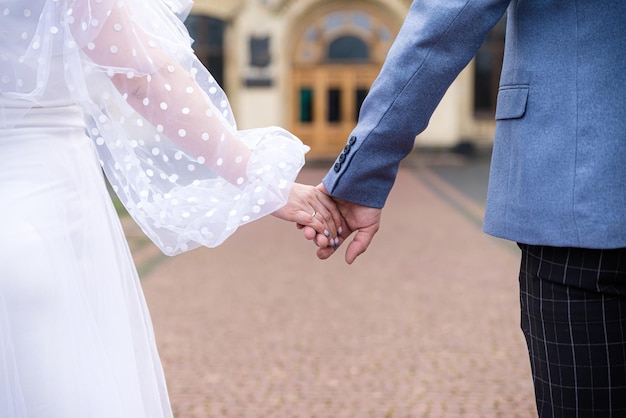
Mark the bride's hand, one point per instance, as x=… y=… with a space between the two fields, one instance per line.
x=307 y=206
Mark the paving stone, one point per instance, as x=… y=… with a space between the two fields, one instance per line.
x=425 y=324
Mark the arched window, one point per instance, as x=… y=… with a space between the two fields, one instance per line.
x=348 y=48
x=208 y=35
x=344 y=36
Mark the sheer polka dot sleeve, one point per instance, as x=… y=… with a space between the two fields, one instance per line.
x=163 y=127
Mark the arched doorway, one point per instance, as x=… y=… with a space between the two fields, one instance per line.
x=337 y=57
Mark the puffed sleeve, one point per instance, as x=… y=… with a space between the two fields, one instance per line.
x=163 y=127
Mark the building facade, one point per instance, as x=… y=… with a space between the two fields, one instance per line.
x=307 y=65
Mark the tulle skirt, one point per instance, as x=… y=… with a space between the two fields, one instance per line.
x=75 y=334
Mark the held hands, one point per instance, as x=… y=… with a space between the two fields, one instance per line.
x=329 y=221
x=362 y=219
x=314 y=211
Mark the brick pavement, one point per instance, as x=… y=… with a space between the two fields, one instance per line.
x=425 y=324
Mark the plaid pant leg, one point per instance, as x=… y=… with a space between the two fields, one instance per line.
x=573 y=304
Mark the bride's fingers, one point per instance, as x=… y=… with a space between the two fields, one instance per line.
x=324 y=218
x=320 y=240
x=333 y=212
x=315 y=224
x=327 y=209
x=314 y=212
x=324 y=253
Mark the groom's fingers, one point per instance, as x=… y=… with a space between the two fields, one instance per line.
x=359 y=244
x=326 y=252
x=355 y=248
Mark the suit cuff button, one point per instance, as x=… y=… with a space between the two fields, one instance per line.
x=337 y=167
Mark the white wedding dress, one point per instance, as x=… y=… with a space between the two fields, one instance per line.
x=88 y=85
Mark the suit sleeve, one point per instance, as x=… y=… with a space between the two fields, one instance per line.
x=437 y=40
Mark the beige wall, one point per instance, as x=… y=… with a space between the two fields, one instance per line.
x=452 y=121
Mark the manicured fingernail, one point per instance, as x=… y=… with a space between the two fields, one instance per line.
x=327 y=233
x=340 y=231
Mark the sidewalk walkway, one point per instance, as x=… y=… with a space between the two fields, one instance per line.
x=425 y=324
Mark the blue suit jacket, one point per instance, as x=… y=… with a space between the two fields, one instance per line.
x=558 y=173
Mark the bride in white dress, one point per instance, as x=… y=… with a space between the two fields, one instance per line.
x=114 y=84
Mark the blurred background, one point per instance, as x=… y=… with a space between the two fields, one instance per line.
x=307 y=65
x=424 y=325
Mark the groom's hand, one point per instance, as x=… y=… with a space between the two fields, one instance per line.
x=362 y=219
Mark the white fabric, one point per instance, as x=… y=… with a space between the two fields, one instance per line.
x=75 y=334
x=115 y=81
x=163 y=127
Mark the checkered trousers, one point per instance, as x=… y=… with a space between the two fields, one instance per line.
x=573 y=304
